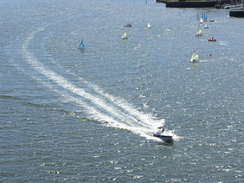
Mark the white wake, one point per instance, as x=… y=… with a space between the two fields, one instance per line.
x=100 y=106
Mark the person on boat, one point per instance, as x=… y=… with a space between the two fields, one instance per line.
x=161 y=129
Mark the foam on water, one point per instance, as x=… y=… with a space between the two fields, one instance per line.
x=100 y=106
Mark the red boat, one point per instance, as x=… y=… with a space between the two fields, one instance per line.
x=212 y=39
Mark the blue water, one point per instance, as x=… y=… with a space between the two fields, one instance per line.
x=88 y=115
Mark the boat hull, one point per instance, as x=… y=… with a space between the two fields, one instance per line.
x=237 y=13
x=165 y=138
x=190 y=4
x=212 y=40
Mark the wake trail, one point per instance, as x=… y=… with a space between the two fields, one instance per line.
x=96 y=114
x=93 y=113
x=114 y=111
x=61 y=81
x=146 y=120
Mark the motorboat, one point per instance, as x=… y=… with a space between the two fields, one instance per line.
x=229 y=6
x=128 y=25
x=167 y=139
x=195 y=58
x=205 y=26
x=239 y=12
x=212 y=39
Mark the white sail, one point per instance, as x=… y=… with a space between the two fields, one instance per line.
x=199 y=32
x=124 y=35
x=195 y=57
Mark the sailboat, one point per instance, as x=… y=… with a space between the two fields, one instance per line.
x=195 y=57
x=82 y=44
x=205 y=17
x=149 y=26
x=124 y=36
x=201 y=20
x=199 y=32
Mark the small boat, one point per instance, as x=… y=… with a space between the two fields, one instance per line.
x=149 y=26
x=237 y=12
x=199 y=32
x=82 y=44
x=229 y=6
x=165 y=138
x=124 y=36
x=201 y=20
x=205 y=26
x=189 y=3
x=211 y=20
x=128 y=25
x=212 y=39
x=195 y=58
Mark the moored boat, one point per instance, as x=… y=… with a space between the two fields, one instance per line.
x=212 y=39
x=190 y=3
x=237 y=12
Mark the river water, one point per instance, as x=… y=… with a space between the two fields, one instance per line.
x=72 y=115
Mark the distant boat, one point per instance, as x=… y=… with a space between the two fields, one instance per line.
x=82 y=44
x=124 y=36
x=228 y=6
x=199 y=32
x=205 y=26
x=149 y=26
x=128 y=25
x=212 y=39
x=201 y=20
x=195 y=57
x=237 y=12
x=166 y=139
x=189 y=3
x=205 y=16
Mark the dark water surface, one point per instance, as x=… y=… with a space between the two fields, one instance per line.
x=71 y=115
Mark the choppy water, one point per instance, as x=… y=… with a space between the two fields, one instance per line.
x=70 y=115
